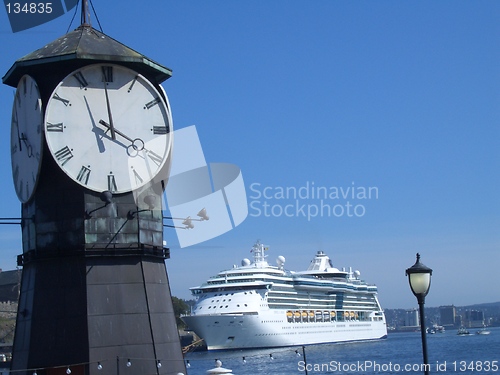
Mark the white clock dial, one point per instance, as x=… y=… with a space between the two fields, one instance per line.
x=26 y=138
x=108 y=128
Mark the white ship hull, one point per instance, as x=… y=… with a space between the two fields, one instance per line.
x=271 y=329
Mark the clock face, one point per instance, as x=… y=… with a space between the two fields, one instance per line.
x=26 y=137
x=108 y=128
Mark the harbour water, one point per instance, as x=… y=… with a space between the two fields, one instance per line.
x=399 y=353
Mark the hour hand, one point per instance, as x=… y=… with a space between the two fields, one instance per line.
x=26 y=143
x=19 y=138
x=113 y=130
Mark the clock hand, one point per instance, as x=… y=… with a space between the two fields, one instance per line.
x=111 y=127
x=18 y=133
x=137 y=144
x=20 y=139
x=26 y=143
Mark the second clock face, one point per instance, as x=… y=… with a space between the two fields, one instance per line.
x=108 y=128
x=26 y=137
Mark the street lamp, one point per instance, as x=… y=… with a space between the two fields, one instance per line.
x=419 y=277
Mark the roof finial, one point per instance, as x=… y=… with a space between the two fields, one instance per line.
x=85 y=13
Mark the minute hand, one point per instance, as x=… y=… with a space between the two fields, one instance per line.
x=111 y=126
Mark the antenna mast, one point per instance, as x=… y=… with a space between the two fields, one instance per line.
x=85 y=13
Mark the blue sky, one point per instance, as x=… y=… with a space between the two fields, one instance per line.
x=398 y=96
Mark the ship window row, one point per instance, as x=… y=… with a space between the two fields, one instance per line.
x=282 y=295
x=239 y=281
x=222 y=294
x=224 y=281
x=249 y=292
x=220 y=307
x=224 y=300
x=293 y=305
x=253 y=271
x=358 y=297
x=285 y=289
x=322 y=303
x=245 y=278
x=302 y=301
x=290 y=306
x=276 y=334
x=320 y=295
x=293 y=302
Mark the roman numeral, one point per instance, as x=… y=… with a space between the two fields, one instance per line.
x=64 y=101
x=25 y=89
x=112 y=183
x=107 y=73
x=81 y=79
x=155 y=158
x=55 y=127
x=152 y=103
x=138 y=179
x=160 y=130
x=83 y=175
x=63 y=155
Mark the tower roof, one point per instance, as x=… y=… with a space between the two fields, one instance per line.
x=85 y=45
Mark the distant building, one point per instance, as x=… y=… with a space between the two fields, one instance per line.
x=474 y=318
x=448 y=315
x=411 y=318
x=9 y=285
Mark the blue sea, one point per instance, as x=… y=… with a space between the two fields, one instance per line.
x=400 y=352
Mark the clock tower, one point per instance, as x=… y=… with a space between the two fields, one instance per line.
x=91 y=143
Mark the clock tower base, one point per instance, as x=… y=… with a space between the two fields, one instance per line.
x=102 y=314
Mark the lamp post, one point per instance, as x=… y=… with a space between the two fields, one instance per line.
x=419 y=277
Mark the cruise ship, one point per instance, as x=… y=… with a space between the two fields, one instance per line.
x=258 y=305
